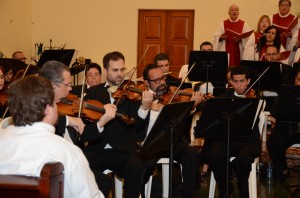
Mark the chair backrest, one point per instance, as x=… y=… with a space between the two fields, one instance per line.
x=49 y=184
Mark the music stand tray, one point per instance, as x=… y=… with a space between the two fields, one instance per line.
x=210 y=66
x=66 y=56
x=271 y=80
x=289 y=106
x=158 y=139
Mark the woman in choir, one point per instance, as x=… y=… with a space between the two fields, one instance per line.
x=250 y=47
x=271 y=37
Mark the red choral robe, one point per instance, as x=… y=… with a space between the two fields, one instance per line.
x=284 y=22
x=233 y=47
x=257 y=35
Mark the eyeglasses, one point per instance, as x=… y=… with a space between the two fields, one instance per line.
x=68 y=85
x=158 y=80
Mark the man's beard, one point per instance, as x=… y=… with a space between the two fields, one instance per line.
x=161 y=89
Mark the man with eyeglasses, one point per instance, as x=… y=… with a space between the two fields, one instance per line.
x=93 y=77
x=187 y=156
x=284 y=18
x=19 y=56
x=112 y=145
x=67 y=126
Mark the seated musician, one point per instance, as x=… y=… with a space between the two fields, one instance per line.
x=245 y=150
x=162 y=60
x=187 y=156
x=283 y=136
x=93 y=77
x=112 y=145
x=67 y=126
x=27 y=139
x=8 y=74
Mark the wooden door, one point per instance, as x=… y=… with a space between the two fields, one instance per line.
x=165 y=31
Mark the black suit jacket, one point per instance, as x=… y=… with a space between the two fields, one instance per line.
x=116 y=133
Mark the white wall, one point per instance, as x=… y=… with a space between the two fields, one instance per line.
x=96 y=27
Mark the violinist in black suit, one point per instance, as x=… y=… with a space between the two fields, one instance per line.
x=244 y=149
x=93 y=77
x=187 y=156
x=67 y=126
x=112 y=145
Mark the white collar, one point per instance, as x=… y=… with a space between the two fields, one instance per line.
x=284 y=15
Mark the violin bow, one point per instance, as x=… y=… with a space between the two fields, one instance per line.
x=244 y=95
x=82 y=92
x=182 y=83
x=26 y=69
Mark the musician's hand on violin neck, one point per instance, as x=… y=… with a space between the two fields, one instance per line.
x=147 y=98
x=110 y=113
x=76 y=123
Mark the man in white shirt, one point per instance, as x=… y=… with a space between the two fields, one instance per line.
x=27 y=139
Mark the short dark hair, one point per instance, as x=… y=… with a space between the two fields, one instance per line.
x=147 y=69
x=160 y=57
x=53 y=71
x=281 y=1
x=28 y=98
x=240 y=70
x=93 y=65
x=205 y=43
x=112 y=56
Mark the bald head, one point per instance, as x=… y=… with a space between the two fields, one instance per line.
x=234 y=12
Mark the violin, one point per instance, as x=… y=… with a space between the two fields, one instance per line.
x=250 y=93
x=92 y=109
x=3 y=99
x=130 y=90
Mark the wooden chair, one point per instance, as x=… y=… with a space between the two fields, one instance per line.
x=50 y=184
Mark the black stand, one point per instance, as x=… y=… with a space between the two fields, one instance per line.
x=271 y=80
x=227 y=118
x=166 y=131
x=210 y=67
x=289 y=109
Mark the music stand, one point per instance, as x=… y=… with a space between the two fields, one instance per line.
x=16 y=65
x=289 y=109
x=227 y=118
x=66 y=56
x=271 y=80
x=211 y=66
x=289 y=106
x=295 y=67
x=166 y=131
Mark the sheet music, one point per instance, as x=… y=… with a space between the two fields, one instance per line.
x=260 y=107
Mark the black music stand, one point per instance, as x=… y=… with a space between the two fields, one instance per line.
x=227 y=118
x=16 y=65
x=289 y=109
x=271 y=80
x=211 y=66
x=66 y=56
x=289 y=104
x=166 y=131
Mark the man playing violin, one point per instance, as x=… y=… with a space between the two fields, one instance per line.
x=113 y=144
x=59 y=74
x=187 y=156
x=245 y=150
